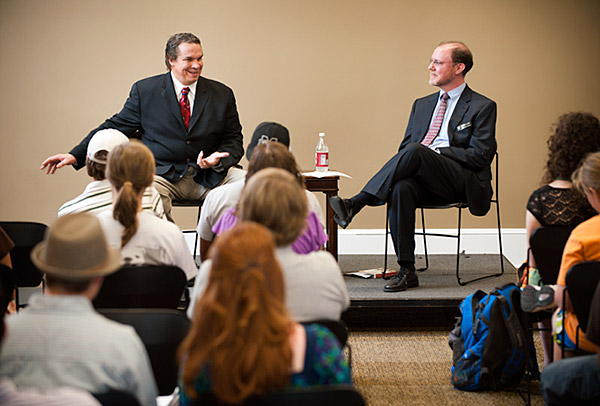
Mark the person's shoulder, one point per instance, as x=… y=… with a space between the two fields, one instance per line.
x=212 y=85
x=427 y=98
x=152 y=81
x=589 y=227
x=323 y=258
x=225 y=190
x=475 y=96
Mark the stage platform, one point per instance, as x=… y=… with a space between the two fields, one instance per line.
x=434 y=303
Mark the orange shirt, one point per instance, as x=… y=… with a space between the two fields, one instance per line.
x=583 y=245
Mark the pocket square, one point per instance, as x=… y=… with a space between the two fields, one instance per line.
x=463 y=126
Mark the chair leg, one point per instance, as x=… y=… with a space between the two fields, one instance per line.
x=386 y=242
x=458 y=246
x=460 y=282
x=424 y=242
x=500 y=238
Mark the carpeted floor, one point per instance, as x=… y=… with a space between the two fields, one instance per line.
x=400 y=354
x=395 y=367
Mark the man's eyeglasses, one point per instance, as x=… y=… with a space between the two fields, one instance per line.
x=437 y=63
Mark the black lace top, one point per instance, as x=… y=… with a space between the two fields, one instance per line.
x=559 y=207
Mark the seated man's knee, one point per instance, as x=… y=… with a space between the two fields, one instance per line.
x=404 y=187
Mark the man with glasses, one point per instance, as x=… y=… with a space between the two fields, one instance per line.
x=445 y=157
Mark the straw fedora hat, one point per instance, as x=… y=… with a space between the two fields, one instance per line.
x=75 y=248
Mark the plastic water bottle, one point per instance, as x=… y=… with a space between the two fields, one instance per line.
x=321 y=155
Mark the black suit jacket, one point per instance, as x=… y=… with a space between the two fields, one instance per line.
x=152 y=113
x=472 y=136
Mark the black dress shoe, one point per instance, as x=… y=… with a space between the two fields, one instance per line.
x=342 y=209
x=403 y=280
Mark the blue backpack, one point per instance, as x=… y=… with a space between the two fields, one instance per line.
x=488 y=342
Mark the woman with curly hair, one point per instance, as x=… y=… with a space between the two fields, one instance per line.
x=243 y=341
x=557 y=203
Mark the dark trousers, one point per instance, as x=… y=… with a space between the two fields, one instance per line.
x=416 y=175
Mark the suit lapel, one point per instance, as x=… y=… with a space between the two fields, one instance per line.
x=200 y=101
x=170 y=98
x=459 y=112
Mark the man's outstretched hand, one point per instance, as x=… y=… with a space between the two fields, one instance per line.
x=210 y=161
x=51 y=164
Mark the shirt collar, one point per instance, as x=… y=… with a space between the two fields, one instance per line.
x=455 y=93
x=179 y=86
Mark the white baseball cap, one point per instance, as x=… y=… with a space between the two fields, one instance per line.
x=104 y=140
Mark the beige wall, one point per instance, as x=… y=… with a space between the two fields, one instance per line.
x=347 y=67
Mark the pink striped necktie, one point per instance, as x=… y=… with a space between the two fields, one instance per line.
x=437 y=121
x=184 y=103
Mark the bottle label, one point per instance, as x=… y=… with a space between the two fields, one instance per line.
x=322 y=159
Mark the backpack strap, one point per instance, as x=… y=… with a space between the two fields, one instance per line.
x=515 y=332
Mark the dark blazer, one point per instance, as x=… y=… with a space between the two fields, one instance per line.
x=152 y=113
x=472 y=136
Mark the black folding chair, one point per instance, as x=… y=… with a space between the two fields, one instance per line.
x=145 y=286
x=191 y=203
x=547 y=244
x=161 y=331
x=460 y=206
x=25 y=235
x=581 y=281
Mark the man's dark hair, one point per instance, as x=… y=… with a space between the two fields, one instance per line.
x=461 y=54
x=174 y=42
x=95 y=169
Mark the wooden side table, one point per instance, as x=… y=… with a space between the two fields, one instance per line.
x=329 y=186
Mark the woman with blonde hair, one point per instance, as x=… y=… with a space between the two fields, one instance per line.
x=142 y=237
x=315 y=288
x=242 y=341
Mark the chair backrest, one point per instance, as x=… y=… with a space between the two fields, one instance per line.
x=317 y=396
x=25 y=235
x=145 y=286
x=337 y=327
x=161 y=331
x=547 y=245
x=582 y=280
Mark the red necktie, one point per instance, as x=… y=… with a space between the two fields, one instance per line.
x=184 y=103
x=437 y=122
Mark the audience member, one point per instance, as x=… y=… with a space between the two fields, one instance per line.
x=10 y=395
x=224 y=198
x=583 y=245
x=275 y=155
x=97 y=196
x=59 y=339
x=315 y=288
x=576 y=381
x=190 y=123
x=243 y=341
x=141 y=237
x=557 y=203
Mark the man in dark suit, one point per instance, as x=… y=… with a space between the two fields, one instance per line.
x=445 y=157
x=190 y=124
